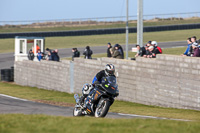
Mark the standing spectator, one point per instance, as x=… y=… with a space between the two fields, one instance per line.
x=39 y=55
x=30 y=55
x=75 y=53
x=194 y=39
x=158 y=49
x=48 y=56
x=37 y=48
x=141 y=51
x=88 y=53
x=55 y=56
x=152 y=52
x=196 y=50
x=109 y=50
x=117 y=53
x=121 y=51
x=189 y=43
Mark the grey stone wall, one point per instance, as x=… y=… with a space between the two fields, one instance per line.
x=168 y=81
x=45 y=74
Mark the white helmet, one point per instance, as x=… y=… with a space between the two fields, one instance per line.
x=109 y=69
x=86 y=89
x=154 y=42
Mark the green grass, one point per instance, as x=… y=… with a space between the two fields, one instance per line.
x=32 y=93
x=19 y=123
x=7 y=45
x=86 y=27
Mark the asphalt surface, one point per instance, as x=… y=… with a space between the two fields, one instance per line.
x=13 y=105
x=7 y=59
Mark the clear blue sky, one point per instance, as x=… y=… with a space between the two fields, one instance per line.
x=16 y=10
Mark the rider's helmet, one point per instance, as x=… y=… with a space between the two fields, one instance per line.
x=86 y=89
x=109 y=69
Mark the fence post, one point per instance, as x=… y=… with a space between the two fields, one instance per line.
x=71 y=71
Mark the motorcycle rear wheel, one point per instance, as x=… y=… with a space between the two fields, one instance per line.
x=102 y=108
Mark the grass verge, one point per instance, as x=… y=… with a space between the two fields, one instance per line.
x=7 y=45
x=35 y=94
x=19 y=123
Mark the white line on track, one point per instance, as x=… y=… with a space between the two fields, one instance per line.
x=13 y=97
x=152 y=117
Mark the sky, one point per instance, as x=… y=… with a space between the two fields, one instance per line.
x=24 y=10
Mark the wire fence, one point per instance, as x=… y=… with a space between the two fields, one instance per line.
x=101 y=21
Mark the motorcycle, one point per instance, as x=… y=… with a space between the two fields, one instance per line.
x=99 y=100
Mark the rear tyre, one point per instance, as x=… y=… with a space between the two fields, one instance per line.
x=102 y=108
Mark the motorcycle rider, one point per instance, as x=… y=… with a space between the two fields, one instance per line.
x=108 y=71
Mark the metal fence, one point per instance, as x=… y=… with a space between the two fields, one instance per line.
x=96 y=21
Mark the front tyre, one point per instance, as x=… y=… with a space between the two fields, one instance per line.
x=77 y=112
x=102 y=108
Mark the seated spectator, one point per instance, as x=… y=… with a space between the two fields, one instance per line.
x=156 y=47
x=88 y=53
x=117 y=53
x=75 y=53
x=39 y=55
x=30 y=55
x=196 y=50
x=141 y=51
x=187 y=51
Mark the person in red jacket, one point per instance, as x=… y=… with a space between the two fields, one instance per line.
x=155 y=44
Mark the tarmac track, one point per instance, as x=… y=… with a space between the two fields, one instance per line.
x=13 y=105
x=7 y=59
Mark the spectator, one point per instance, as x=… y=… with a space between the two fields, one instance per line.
x=88 y=53
x=117 y=52
x=141 y=51
x=187 y=51
x=37 y=48
x=30 y=55
x=55 y=56
x=75 y=53
x=121 y=50
x=148 y=43
x=109 y=50
x=152 y=52
x=196 y=50
x=194 y=39
x=48 y=56
x=156 y=48
x=39 y=55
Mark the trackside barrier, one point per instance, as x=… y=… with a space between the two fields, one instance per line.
x=101 y=31
x=167 y=81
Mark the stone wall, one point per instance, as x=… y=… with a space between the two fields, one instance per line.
x=45 y=74
x=169 y=81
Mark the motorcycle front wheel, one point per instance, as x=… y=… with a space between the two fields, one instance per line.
x=77 y=112
x=102 y=108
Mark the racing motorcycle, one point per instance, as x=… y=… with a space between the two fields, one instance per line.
x=99 y=100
